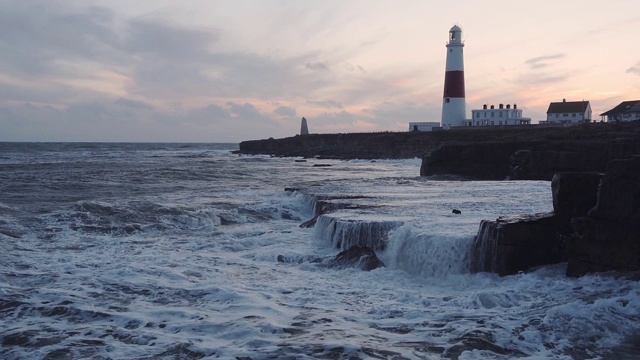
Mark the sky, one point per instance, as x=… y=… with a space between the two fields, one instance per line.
x=234 y=70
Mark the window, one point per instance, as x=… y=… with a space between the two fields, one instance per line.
x=477 y=115
x=573 y=115
x=446 y=100
x=500 y=113
x=493 y=114
x=565 y=115
x=492 y=122
x=500 y=123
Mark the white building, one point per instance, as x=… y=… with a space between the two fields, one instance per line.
x=626 y=111
x=503 y=115
x=454 y=110
x=569 y=112
x=423 y=126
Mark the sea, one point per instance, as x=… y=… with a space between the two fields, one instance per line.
x=192 y=251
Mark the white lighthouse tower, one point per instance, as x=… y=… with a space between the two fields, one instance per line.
x=453 y=103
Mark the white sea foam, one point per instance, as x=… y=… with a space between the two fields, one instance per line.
x=222 y=270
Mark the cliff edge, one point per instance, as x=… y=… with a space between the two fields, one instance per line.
x=492 y=153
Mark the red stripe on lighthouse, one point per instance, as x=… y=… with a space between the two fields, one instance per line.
x=454 y=84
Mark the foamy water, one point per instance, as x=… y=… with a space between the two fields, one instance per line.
x=160 y=251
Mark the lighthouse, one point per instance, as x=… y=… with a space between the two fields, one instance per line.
x=453 y=103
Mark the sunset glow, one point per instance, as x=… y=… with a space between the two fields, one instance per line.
x=227 y=71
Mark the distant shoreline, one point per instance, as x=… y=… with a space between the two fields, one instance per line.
x=478 y=149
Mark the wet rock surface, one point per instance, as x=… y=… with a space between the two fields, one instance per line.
x=475 y=160
x=509 y=245
x=535 y=155
x=360 y=257
x=608 y=238
x=595 y=227
x=574 y=194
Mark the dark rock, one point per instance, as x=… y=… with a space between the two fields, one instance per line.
x=474 y=152
x=574 y=194
x=602 y=245
x=484 y=161
x=384 y=145
x=360 y=257
x=609 y=237
x=542 y=161
x=456 y=211
x=298 y=259
x=525 y=160
x=508 y=246
x=591 y=238
x=328 y=204
x=286 y=215
x=309 y=223
x=344 y=234
x=619 y=194
x=322 y=165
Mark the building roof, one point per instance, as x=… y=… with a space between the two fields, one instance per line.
x=568 y=107
x=632 y=106
x=455 y=28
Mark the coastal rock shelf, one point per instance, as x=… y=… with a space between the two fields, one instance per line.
x=595 y=226
x=608 y=238
x=492 y=153
x=354 y=234
x=509 y=245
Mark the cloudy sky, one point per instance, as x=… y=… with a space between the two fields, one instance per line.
x=233 y=70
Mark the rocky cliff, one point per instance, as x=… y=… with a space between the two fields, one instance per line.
x=595 y=226
x=608 y=237
x=526 y=153
x=386 y=145
x=536 y=155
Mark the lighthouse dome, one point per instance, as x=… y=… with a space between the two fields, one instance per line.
x=455 y=35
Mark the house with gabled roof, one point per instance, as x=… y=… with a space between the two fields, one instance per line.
x=626 y=111
x=569 y=112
